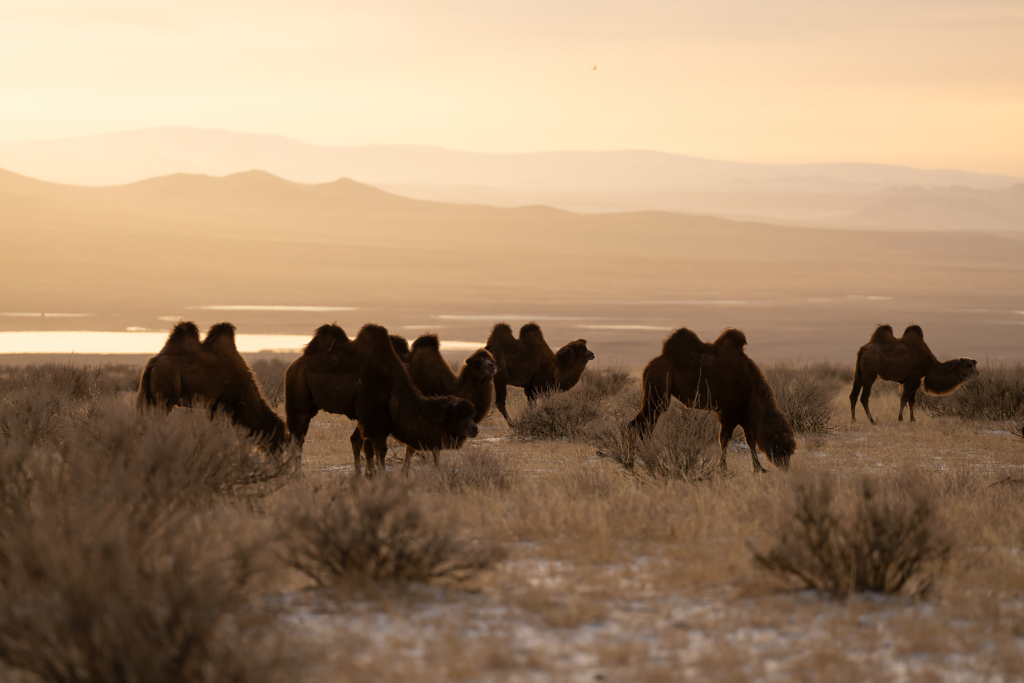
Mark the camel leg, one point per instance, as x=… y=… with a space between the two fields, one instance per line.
x=409 y=452
x=752 y=444
x=858 y=382
x=724 y=437
x=500 y=394
x=357 y=450
x=531 y=393
x=380 y=448
x=908 y=395
x=865 y=396
x=437 y=458
x=656 y=400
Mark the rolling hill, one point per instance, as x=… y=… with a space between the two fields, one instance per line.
x=141 y=254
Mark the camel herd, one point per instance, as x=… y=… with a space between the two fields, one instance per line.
x=412 y=395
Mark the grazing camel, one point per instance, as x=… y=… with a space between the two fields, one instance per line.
x=364 y=380
x=529 y=362
x=719 y=377
x=187 y=370
x=908 y=361
x=432 y=375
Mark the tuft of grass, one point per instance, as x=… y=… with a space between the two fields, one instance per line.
x=880 y=538
x=377 y=531
x=996 y=394
x=806 y=395
x=476 y=470
x=682 y=446
x=567 y=415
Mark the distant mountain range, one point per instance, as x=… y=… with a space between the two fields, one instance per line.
x=830 y=195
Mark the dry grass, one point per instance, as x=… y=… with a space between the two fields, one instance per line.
x=805 y=393
x=997 y=394
x=270 y=374
x=608 y=575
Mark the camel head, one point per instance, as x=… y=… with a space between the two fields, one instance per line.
x=482 y=365
x=781 y=448
x=458 y=418
x=575 y=352
x=968 y=368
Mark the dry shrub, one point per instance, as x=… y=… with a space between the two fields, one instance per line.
x=99 y=581
x=270 y=375
x=566 y=415
x=186 y=457
x=682 y=446
x=371 y=531
x=996 y=394
x=805 y=394
x=878 y=538
x=477 y=470
x=81 y=417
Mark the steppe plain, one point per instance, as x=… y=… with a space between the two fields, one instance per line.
x=596 y=573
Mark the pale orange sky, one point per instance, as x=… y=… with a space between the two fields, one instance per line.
x=928 y=83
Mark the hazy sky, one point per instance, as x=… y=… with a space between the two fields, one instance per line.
x=931 y=83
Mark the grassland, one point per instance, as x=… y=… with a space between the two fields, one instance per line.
x=143 y=547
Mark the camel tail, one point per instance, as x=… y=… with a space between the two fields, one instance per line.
x=145 y=396
x=858 y=378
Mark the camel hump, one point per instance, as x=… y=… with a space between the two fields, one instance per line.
x=913 y=331
x=184 y=338
x=731 y=338
x=324 y=339
x=401 y=347
x=427 y=341
x=531 y=332
x=681 y=342
x=374 y=341
x=883 y=335
x=221 y=337
x=501 y=335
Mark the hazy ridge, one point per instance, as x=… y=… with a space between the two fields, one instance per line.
x=144 y=254
x=827 y=195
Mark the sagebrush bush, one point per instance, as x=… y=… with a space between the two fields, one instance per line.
x=374 y=531
x=805 y=394
x=567 y=414
x=878 y=538
x=682 y=446
x=996 y=394
x=102 y=581
x=83 y=418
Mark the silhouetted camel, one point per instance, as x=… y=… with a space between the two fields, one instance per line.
x=529 y=362
x=908 y=361
x=187 y=370
x=721 y=378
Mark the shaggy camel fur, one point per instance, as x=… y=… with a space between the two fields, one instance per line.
x=365 y=380
x=433 y=376
x=187 y=370
x=719 y=377
x=529 y=362
x=401 y=347
x=908 y=361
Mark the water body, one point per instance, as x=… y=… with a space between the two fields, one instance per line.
x=152 y=342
